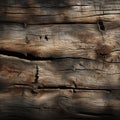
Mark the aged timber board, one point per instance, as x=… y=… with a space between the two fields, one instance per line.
x=59 y=59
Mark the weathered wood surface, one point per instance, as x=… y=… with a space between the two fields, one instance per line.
x=66 y=73
x=74 y=88
x=59 y=59
x=54 y=11
x=59 y=104
x=60 y=41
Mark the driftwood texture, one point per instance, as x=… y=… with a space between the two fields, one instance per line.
x=59 y=59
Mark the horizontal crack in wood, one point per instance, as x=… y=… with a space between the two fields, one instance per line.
x=28 y=56
x=38 y=87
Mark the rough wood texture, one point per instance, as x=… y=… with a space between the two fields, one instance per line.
x=54 y=11
x=65 y=73
x=59 y=104
x=59 y=41
x=59 y=59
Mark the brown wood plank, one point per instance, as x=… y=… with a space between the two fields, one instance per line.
x=65 y=73
x=60 y=41
x=63 y=11
x=59 y=59
x=59 y=104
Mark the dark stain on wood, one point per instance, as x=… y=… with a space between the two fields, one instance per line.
x=101 y=25
x=103 y=51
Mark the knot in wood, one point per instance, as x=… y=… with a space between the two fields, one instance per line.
x=103 y=51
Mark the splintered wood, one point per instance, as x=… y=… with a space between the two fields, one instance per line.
x=59 y=59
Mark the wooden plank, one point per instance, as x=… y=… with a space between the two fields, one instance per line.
x=59 y=104
x=60 y=41
x=60 y=73
x=14 y=71
x=63 y=11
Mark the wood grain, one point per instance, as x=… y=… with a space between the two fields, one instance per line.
x=60 y=41
x=59 y=59
x=22 y=103
x=66 y=73
x=63 y=11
